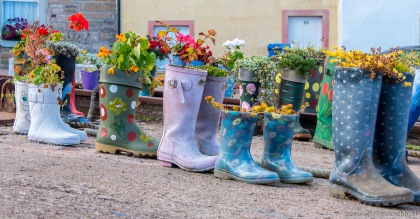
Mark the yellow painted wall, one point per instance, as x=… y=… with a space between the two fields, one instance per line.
x=257 y=22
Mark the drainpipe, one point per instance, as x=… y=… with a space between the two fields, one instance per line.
x=118 y=16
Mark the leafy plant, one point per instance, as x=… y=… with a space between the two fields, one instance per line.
x=233 y=53
x=297 y=59
x=213 y=71
x=46 y=74
x=265 y=70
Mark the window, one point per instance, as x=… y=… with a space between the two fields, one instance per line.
x=185 y=27
x=32 y=10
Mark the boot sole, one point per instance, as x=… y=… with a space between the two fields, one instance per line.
x=341 y=192
x=225 y=175
x=117 y=150
x=297 y=180
x=173 y=164
x=302 y=137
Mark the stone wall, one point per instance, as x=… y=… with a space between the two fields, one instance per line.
x=101 y=15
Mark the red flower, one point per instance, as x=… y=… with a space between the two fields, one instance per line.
x=78 y=22
x=330 y=95
x=325 y=89
x=42 y=31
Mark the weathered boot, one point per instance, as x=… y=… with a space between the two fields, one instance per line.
x=414 y=113
x=353 y=133
x=290 y=87
x=209 y=117
x=235 y=160
x=323 y=131
x=118 y=130
x=181 y=101
x=45 y=117
x=23 y=117
x=278 y=135
x=390 y=137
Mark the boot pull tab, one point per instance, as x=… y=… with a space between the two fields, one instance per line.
x=185 y=85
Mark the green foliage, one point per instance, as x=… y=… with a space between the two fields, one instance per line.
x=213 y=71
x=45 y=74
x=297 y=59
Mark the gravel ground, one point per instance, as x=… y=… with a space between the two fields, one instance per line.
x=46 y=181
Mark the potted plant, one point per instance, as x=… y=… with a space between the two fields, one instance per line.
x=312 y=85
x=228 y=60
x=295 y=66
x=87 y=71
x=44 y=77
x=126 y=70
x=365 y=113
x=12 y=28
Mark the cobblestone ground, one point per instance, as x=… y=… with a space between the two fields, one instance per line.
x=46 y=181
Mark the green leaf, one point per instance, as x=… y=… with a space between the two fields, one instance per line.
x=125 y=49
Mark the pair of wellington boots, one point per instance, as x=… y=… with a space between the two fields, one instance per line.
x=369 y=137
x=235 y=160
x=190 y=123
x=46 y=125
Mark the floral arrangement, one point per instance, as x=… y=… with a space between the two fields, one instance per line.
x=78 y=22
x=233 y=52
x=391 y=65
x=156 y=46
x=11 y=29
x=185 y=46
x=297 y=59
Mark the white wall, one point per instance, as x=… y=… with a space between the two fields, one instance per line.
x=363 y=24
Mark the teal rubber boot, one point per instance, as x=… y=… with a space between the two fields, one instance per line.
x=390 y=137
x=278 y=134
x=353 y=132
x=118 y=130
x=235 y=160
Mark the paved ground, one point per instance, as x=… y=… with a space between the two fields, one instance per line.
x=45 y=181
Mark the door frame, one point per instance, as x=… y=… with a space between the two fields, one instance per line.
x=325 y=17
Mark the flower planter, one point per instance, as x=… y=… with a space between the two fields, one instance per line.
x=89 y=79
x=312 y=88
x=249 y=88
x=78 y=69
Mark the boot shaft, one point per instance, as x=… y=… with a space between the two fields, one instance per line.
x=236 y=131
x=21 y=96
x=278 y=133
x=43 y=101
x=290 y=89
x=249 y=88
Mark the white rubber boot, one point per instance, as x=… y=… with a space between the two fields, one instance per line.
x=45 y=117
x=23 y=117
x=82 y=134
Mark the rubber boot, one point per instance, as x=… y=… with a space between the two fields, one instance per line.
x=182 y=95
x=415 y=102
x=73 y=99
x=353 y=132
x=312 y=86
x=390 y=138
x=23 y=117
x=68 y=65
x=45 y=117
x=209 y=117
x=323 y=132
x=235 y=160
x=278 y=134
x=249 y=88
x=289 y=89
x=118 y=130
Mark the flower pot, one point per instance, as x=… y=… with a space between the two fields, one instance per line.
x=249 y=88
x=312 y=87
x=78 y=69
x=89 y=79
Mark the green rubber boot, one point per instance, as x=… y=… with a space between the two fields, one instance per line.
x=118 y=130
x=323 y=131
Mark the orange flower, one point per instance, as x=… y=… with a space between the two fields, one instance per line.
x=111 y=71
x=103 y=51
x=78 y=22
x=121 y=37
x=134 y=69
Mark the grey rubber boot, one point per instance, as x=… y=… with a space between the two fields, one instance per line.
x=390 y=138
x=181 y=101
x=355 y=107
x=208 y=119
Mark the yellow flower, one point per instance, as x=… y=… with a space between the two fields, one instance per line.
x=235 y=108
x=111 y=71
x=134 y=69
x=407 y=84
x=121 y=37
x=84 y=51
x=32 y=74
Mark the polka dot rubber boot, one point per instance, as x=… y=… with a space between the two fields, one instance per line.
x=390 y=137
x=356 y=98
x=278 y=138
x=23 y=116
x=248 y=89
x=235 y=160
x=323 y=132
x=289 y=89
x=312 y=87
x=415 y=102
x=118 y=130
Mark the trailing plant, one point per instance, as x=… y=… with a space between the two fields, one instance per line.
x=62 y=48
x=297 y=59
x=213 y=71
x=265 y=70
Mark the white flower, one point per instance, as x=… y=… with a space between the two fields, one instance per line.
x=234 y=44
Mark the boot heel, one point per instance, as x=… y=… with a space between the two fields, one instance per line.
x=337 y=193
x=167 y=164
x=221 y=174
x=105 y=148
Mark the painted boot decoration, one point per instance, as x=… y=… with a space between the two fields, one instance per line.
x=45 y=117
x=118 y=130
x=323 y=131
x=353 y=132
x=181 y=101
x=209 y=117
x=389 y=147
x=278 y=135
x=248 y=88
x=235 y=160
x=23 y=117
x=415 y=102
x=289 y=89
